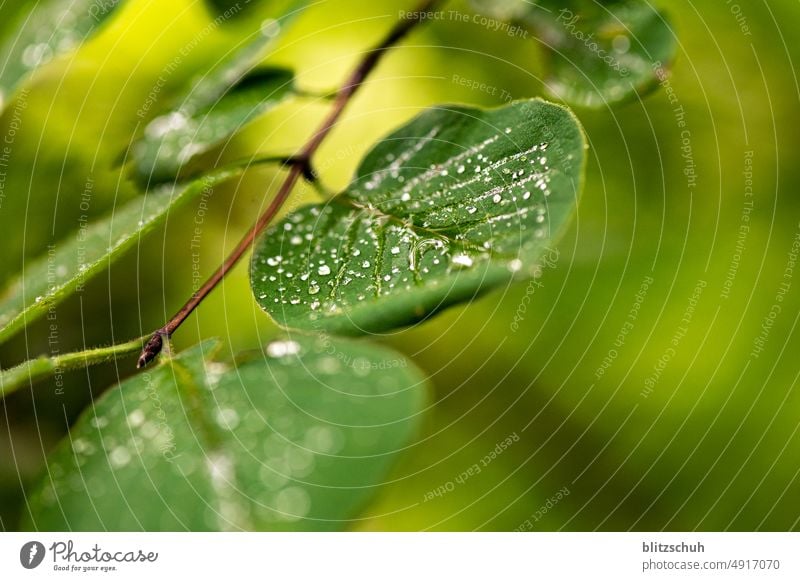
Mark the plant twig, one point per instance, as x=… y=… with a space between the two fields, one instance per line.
x=300 y=167
x=26 y=373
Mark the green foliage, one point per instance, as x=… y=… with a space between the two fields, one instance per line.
x=66 y=267
x=296 y=438
x=456 y=202
x=207 y=113
x=48 y=29
x=595 y=53
x=34 y=370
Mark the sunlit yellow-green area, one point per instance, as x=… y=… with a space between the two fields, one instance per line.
x=647 y=380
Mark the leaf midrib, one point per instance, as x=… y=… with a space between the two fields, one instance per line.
x=345 y=201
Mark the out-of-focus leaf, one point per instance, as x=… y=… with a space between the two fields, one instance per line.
x=205 y=119
x=297 y=438
x=69 y=265
x=221 y=101
x=46 y=30
x=456 y=202
x=595 y=52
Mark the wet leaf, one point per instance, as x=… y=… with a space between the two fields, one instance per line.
x=595 y=53
x=29 y=372
x=296 y=438
x=173 y=140
x=457 y=202
x=47 y=30
x=214 y=107
x=70 y=264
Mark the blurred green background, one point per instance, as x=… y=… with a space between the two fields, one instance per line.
x=708 y=439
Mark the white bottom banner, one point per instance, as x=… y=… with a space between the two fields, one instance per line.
x=400 y=556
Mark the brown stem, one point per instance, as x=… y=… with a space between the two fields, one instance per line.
x=300 y=167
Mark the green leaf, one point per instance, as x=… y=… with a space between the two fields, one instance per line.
x=67 y=266
x=457 y=202
x=595 y=53
x=297 y=438
x=220 y=102
x=33 y=370
x=206 y=118
x=48 y=29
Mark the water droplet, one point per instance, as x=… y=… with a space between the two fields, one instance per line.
x=119 y=457
x=462 y=260
x=270 y=28
x=160 y=126
x=621 y=43
x=136 y=418
x=98 y=422
x=283 y=348
x=82 y=446
x=189 y=151
x=227 y=418
x=36 y=55
x=293 y=503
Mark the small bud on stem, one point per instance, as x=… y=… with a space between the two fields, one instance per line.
x=151 y=349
